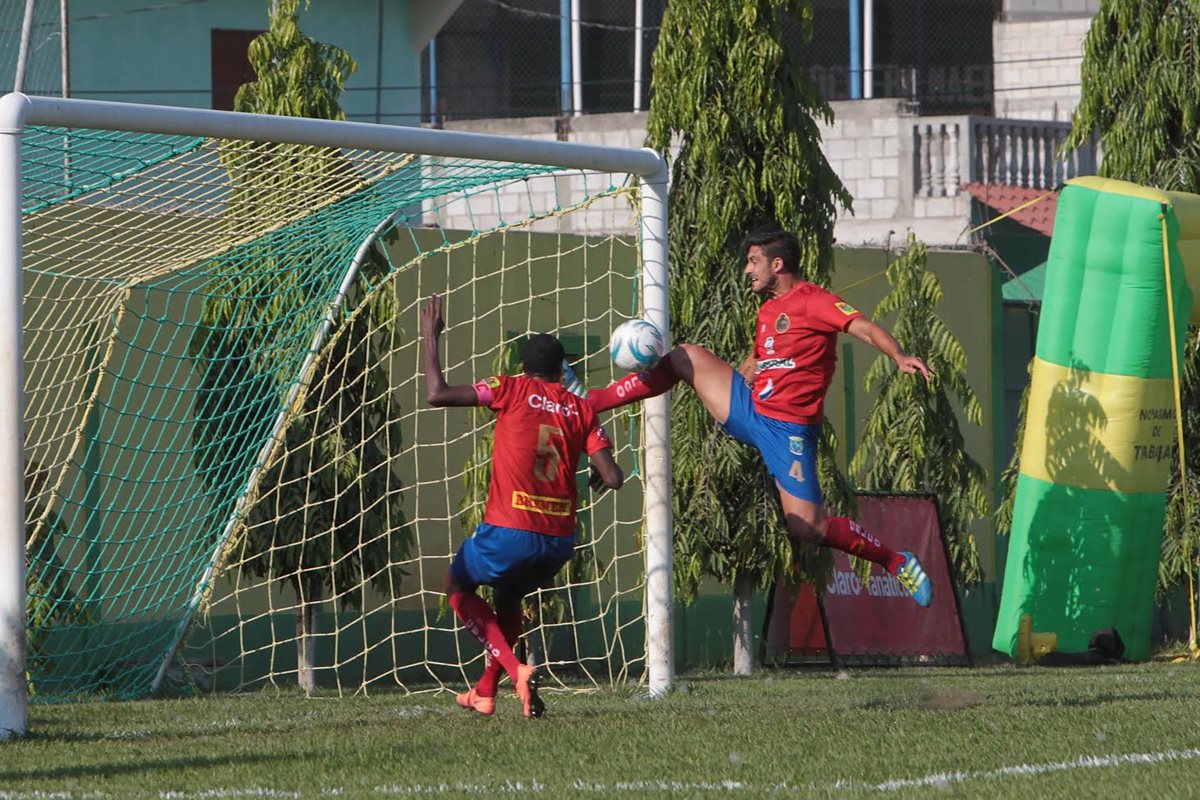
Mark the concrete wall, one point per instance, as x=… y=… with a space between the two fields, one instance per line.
x=1037 y=67
x=1018 y=10
x=869 y=145
x=544 y=197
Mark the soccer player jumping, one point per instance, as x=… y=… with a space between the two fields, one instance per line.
x=528 y=529
x=777 y=405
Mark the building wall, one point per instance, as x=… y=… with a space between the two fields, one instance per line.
x=120 y=50
x=43 y=70
x=869 y=145
x=1037 y=67
x=1017 y=10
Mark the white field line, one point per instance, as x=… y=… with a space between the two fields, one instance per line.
x=1023 y=770
x=731 y=786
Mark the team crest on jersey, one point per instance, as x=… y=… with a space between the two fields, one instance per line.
x=796 y=445
x=846 y=308
x=769 y=345
x=782 y=323
x=492 y=382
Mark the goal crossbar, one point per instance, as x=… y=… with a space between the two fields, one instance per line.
x=18 y=111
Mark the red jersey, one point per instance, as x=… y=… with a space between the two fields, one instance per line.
x=541 y=429
x=795 y=346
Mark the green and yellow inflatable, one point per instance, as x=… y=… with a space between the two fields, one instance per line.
x=1101 y=425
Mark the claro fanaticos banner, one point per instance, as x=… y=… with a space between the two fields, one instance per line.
x=874 y=619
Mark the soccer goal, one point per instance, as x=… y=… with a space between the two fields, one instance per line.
x=217 y=470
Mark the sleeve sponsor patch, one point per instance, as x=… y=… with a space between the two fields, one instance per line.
x=494 y=382
x=845 y=308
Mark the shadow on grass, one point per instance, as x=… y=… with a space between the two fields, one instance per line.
x=933 y=700
x=110 y=769
x=1110 y=697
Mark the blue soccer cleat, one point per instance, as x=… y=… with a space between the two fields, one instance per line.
x=914 y=580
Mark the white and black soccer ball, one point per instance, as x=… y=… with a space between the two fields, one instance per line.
x=637 y=345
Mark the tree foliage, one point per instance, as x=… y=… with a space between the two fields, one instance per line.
x=742 y=118
x=1012 y=470
x=912 y=441
x=1141 y=94
x=295 y=75
x=326 y=518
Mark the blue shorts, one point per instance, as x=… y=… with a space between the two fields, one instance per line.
x=789 y=449
x=511 y=559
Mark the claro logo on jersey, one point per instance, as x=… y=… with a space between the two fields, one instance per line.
x=554 y=506
x=775 y=363
x=536 y=401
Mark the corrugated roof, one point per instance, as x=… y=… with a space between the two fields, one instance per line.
x=1002 y=198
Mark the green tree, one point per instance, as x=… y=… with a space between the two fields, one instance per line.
x=744 y=117
x=1141 y=93
x=1008 y=476
x=912 y=441
x=325 y=512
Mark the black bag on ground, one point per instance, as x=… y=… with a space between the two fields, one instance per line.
x=1105 y=647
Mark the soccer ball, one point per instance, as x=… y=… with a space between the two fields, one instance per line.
x=637 y=345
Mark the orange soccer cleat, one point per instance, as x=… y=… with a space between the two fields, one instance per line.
x=477 y=703
x=526 y=686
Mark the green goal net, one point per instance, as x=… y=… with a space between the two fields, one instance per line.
x=232 y=479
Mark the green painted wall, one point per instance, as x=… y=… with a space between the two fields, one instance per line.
x=122 y=51
x=970 y=285
x=703 y=630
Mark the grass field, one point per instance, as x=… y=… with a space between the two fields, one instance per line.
x=989 y=732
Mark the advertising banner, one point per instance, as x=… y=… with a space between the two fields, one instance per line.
x=874 y=620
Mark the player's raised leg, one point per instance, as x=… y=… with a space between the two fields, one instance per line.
x=807 y=521
x=692 y=364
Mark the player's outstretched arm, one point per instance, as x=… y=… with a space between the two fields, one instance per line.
x=874 y=335
x=606 y=472
x=437 y=391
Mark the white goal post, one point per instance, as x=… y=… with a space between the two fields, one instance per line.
x=18 y=111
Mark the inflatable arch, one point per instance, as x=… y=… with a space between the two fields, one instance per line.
x=1100 y=429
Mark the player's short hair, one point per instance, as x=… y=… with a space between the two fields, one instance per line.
x=542 y=354
x=775 y=243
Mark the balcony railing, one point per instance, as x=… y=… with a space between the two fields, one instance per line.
x=951 y=151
